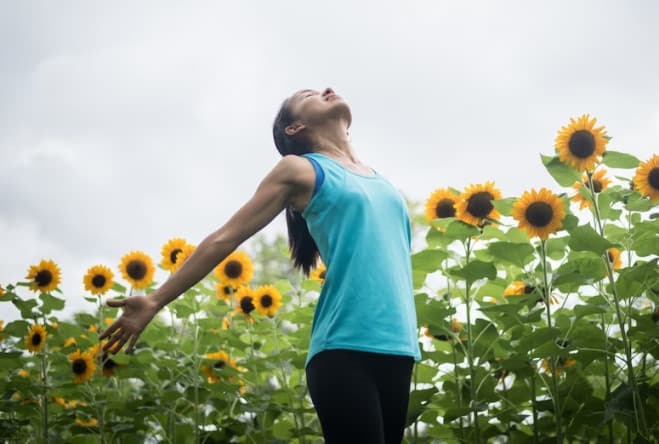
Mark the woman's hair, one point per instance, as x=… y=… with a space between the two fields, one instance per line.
x=304 y=251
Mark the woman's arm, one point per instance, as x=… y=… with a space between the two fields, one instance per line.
x=275 y=192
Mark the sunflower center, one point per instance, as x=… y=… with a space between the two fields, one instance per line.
x=233 y=269
x=539 y=214
x=480 y=204
x=597 y=185
x=219 y=364
x=43 y=278
x=445 y=208
x=98 y=281
x=36 y=339
x=322 y=274
x=582 y=144
x=246 y=304
x=79 y=366
x=266 y=300
x=653 y=178
x=109 y=364
x=228 y=289
x=136 y=269
x=173 y=254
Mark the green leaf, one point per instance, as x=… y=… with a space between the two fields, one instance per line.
x=563 y=174
x=459 y=230
x=475 y=270
x=515 y=253
x=50 y=303
x=504 y=206
x=25 y=306
x=584 y=238
x=428 y=260
x=615 y=159
x=585 y=310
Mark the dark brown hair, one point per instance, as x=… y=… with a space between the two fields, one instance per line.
x=304 y=251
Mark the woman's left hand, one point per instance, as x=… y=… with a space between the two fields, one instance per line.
x=138 y=312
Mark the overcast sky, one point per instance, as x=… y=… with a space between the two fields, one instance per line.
x=123 y=124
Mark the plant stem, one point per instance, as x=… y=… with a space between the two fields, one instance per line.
x=44 y=394
x=283 y=376
x=533 y=407
x=553 y=360
x=639 y=410
x=472 y=376
x=101 y=410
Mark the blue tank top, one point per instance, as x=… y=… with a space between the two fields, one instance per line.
x=362 y=229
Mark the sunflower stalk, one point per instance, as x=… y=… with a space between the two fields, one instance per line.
x=195 y=369
x=470 y=361
x=607 y=381
x=639 y=410
x=44 y=393
x=553 y=360
x=101 y=407
x=256 y=373
x=534 y=407
x=456 y=369
x=284 y=381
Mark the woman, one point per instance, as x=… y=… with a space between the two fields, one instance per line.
x=364 y=331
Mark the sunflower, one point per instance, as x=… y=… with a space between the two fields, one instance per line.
x=109 y=365
x=456 y=327
x=98 y=279
x=226 y=322
x=23 y=373
x=318 y=273
x=221 y=359
x=244 y=300
x=474 y=205
x=441 y=204
x=268 y=300
x=225 y=292
x=36 y=338
x=560 y=364
x=93 y=422
x=236 y=269
x=137 y=268
x=520 y=287
x=82 y=365
x=580 y=144
x=44 y=277
x=183 y=256
x=614 y=257
x=646 y=179
x=600 y=183
x=70 y=341
x=59 y=401
x=170 y=252
x=539 y=213
x=2 y=291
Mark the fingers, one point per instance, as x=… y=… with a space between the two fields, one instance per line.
x=115 y=337
x=124 y=337
x=130 y=350
x=111 y=329
x=116 y=302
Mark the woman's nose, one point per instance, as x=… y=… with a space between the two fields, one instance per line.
x=328 y=90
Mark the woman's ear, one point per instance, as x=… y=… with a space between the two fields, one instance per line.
x=294 y=128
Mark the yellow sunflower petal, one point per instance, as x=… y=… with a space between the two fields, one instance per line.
x=98 y=279
x=580 y=144
x=36 y=338
x=137 y=268
x=268 y=300
x=539 y=213
x=441 y=204
x=235 y=270
x=474 y=205
x=646 y=179
x=44 y=277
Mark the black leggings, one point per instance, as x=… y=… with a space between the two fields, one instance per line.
x=360 y=397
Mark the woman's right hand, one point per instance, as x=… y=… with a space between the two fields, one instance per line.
x=138 y=312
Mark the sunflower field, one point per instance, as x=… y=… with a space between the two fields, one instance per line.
x=538 y=317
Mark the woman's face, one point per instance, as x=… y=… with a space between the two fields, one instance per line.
x=314 y=108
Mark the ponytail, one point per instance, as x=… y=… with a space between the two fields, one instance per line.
x=304 y=251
